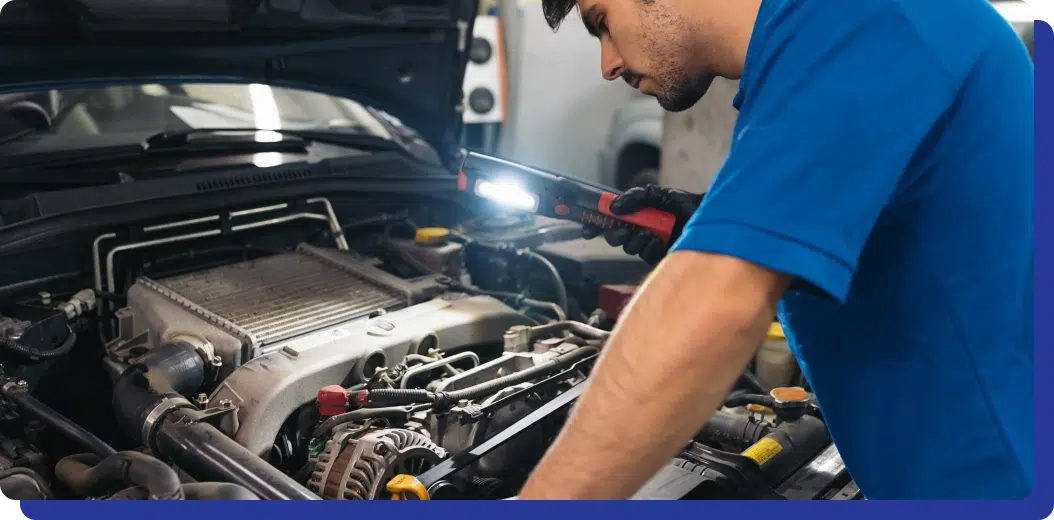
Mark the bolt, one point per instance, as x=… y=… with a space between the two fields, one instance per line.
x=226 y=404
x=45 y=297
x=462 y=403
x=22 y=384
x=203 y=400
x=381 y=450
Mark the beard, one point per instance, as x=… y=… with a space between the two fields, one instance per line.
x=670 y=37
x=679 y=92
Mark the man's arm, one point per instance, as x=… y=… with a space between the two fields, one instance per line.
x=685 y=338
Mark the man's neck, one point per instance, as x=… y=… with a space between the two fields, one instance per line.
x=725 y=30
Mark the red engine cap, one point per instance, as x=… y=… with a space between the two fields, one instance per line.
x=332 y=400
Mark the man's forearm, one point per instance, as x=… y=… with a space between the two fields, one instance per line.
x=683 y=342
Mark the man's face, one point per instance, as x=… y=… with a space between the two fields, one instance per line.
x=649 y=44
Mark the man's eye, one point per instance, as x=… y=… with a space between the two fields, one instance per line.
x=602 y=25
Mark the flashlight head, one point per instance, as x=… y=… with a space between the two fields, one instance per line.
x=507 y=185
x=507 y=193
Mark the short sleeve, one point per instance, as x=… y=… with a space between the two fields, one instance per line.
x=835 y=104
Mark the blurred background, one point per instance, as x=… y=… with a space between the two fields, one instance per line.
x=538 y=97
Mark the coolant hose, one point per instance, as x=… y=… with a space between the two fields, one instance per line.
x=738 y=399
x=35 y=355
x=442 y=399
x=71 y=430
x=741 y=430
x=149 y=403
x=164 y=375
x=752 y=383
x=87 y=476
x=9 y=475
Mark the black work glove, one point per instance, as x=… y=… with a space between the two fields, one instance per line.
x=641 y=241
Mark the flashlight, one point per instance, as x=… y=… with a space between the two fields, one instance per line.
x=524 y=188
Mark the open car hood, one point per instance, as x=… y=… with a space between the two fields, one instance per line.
x=404 y=57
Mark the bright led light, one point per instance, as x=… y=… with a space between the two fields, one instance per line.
x=507 y=194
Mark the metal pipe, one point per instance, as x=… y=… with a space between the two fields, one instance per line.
x=437 y=364
x=334 y=224
x=330 y=217
x=576 y=327
x=206 y=453
x=96 y=245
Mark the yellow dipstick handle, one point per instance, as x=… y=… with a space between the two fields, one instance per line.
x=400 y=485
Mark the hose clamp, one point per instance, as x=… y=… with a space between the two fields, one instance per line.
x=166 y=405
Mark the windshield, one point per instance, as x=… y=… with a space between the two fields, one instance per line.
x=81 y=118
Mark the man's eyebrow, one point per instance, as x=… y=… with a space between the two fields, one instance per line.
x=587 y=19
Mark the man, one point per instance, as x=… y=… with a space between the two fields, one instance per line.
x=877 y=197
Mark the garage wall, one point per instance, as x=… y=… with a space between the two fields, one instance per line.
x=561 y=109
x=696 y=141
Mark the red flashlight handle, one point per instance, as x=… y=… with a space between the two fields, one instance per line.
x=659 y=222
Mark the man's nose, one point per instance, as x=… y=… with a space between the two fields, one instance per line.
x=611 y=65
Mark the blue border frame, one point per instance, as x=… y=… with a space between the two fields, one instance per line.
x=1039 y=506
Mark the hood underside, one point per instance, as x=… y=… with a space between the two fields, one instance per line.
x=405 y=57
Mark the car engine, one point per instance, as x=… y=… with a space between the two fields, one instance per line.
x=362 y=360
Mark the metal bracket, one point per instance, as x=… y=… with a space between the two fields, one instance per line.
x=224 y=407
x=459 y=461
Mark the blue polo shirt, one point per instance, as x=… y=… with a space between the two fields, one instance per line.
x=883 y=156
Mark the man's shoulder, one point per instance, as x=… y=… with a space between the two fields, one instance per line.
x=953 y=32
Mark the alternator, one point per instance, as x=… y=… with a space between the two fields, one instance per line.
x=356 y=466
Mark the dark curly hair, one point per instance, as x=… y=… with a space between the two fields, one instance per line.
x=556 y=10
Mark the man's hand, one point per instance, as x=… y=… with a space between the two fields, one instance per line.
x=642 y=242
x=683 y=342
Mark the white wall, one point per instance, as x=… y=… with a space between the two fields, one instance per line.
x=695 y=142
x=561 y=107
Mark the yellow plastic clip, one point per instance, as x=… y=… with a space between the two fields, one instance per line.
x=400 y=485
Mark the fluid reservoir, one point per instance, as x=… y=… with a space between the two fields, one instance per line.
x=775 y=363
x=433 y=248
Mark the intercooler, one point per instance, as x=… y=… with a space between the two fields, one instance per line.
x=251 y=308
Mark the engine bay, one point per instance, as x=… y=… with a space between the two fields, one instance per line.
x=310 y=349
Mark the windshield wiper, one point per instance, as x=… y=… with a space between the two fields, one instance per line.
x=177 y=142
x=163 y=141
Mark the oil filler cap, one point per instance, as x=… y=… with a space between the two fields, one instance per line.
x=431 y=236
x=789 y=403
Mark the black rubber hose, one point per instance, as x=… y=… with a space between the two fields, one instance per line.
x=88 y=476
x=217 y=491
x=741 y=430
x=742 y=399
x=168 y=372
x=518 y=299
x=441 y=399
x=360 y=415
x=166 y=375
x=42 y=486
x=558 y=281
x=208 y=455
x=35 y=355
x=71 y=430
x=752 y=383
